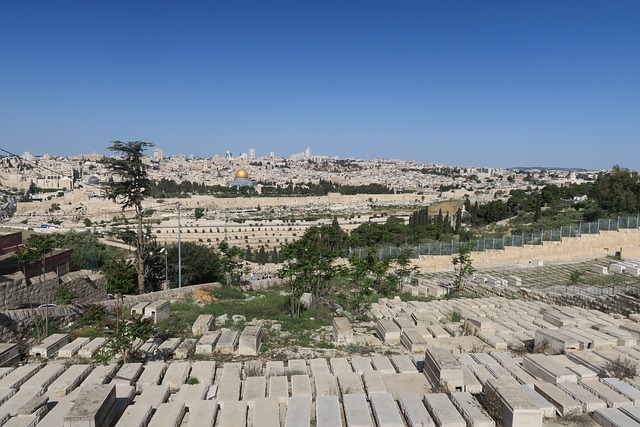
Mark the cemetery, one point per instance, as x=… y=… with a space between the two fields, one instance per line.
x=452 y=362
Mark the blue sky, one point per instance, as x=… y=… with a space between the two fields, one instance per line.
x=488 y=83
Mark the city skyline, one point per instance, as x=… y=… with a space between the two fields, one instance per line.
x=492 y=84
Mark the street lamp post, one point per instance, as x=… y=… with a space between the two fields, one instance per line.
x=166 y=266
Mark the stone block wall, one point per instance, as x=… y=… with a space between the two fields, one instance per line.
x=14 y=290
x=569 y=249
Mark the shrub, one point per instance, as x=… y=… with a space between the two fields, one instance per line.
x=621 y=368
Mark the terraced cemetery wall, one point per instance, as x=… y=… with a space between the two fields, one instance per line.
x=85 y=285
x=606 y=243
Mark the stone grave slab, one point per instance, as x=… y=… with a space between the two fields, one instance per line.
x=339 y=365
x=94 y=405
x=471 y=410
x=300 y=386
x=388 y=331
x=227 y=342
x=254 y=388
x=204 y=371
x=101 y=374
x=413 y=341
x=176 y=375
x=266 y=412
x=297 y=367
x=68 y=381
x=275 y=368
x=385 y=410
x=342 y=331
x=361 y=364
x=153 y=395
x=612 y=417
x=50 y=345
x=169 y=415
x=151 y=375
x=623 y=388
x=128 y=374
x=298 y=412
x=91 y=348
x=403 y=364
x=190 y=393
x=233 y=370
x=318 y=366
x=405 y=383
x=183 y=350
x=613 y=398
x=44 y=377
x=565 y=405
x=207 y=342
x=279 y=388
x=590 y=402
x=328 y=411
x=73 y=347
x=548 y=410
x=356 y=411
x=325 y=384
x=250 y=341
x=202 y=325
x=373 y=382
x=414 y=410
x=350 y=383
x=18 y=376
x=443 y=411
x=382 y=365
x=202 y=413
x=229 y=389
x=135 y=416
x=233 y=413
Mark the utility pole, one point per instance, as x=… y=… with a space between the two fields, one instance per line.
x=179 y=250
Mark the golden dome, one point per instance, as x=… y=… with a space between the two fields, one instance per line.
x=242 y=173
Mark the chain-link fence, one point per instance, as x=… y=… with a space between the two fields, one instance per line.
x=493 y=243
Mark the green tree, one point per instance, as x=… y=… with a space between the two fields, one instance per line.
x=309 y=263
x=231 y=264
x=200 y=263
x=618 y=191
x=463 y=265
x=129 y=191
x=121 y=344
x=198 y=212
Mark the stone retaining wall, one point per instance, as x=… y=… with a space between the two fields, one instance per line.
x=15 y=291
x=569 y=249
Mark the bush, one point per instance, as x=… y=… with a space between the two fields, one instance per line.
x=621 y=368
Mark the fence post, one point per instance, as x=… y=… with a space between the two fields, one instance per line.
x=609 y=225
x=618 y=223
x=560 y=232
x=570 y=231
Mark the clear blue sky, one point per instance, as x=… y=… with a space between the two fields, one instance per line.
x=492 y=83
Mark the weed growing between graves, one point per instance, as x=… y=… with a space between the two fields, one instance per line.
x=269 y=305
